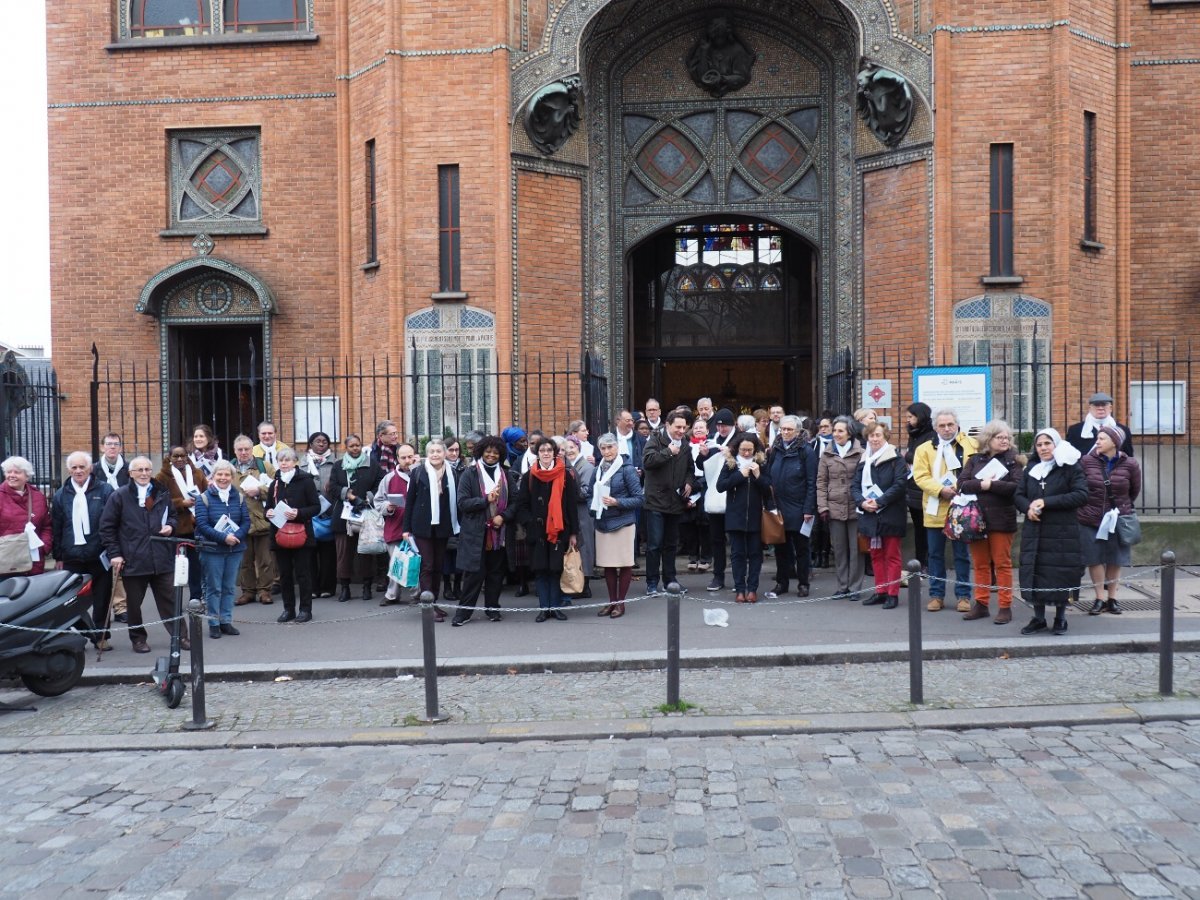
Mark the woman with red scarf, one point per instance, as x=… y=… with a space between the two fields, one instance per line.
x=545 y=505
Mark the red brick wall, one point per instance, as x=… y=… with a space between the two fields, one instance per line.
x=108 y=185
x=896 y=257
x=550 y=282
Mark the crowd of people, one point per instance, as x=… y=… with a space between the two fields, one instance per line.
x=722 y=490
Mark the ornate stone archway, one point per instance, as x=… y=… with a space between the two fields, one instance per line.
x=627 y=61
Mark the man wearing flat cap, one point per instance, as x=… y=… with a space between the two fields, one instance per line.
x=1082 y=435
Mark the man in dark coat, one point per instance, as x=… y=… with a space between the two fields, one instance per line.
x=132 y=516
x=1082 y=435
x=792 y=465
x=669 y=482
x=75 y=520
x=111 y=466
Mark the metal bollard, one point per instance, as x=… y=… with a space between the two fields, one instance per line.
x=916 y=687
x=429 y=644
x=200 y=720
x=1166 y=627
x=673 y=592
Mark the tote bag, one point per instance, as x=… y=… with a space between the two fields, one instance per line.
x=572 y=581
x=404 y=567
x=370 y=533
x=15 y=555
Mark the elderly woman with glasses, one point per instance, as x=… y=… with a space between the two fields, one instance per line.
x=992 y=475
x=24 y=511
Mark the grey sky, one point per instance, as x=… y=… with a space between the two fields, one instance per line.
x=25 y=224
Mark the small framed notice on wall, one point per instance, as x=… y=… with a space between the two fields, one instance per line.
x=1158 y=407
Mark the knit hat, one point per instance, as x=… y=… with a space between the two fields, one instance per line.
x=1115 y=434
x=723 y=417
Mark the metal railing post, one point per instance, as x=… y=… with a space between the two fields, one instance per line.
x=429 y=644
x=673 y=591
x=916 y=687
x=1166 y=627
x=200 y=720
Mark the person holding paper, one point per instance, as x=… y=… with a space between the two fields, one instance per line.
x=184 y=483
x=258 y=560
x=992 y=476
x=222 y=520
x=835 y=506
x=1051 y=489
x=935 y=470
x=75 y=512
x=878 y=489
x=793 y=468
x=431 y=516
x=318 y=462
x=746 y=484
x=132 y=516
x=1114 y=480
x=614 y=497
x=293 y=497
x=668 y=484
x=391 y=498
x=25 y=511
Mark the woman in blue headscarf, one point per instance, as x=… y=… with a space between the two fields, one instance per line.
x=515 y=441
x=518 y=550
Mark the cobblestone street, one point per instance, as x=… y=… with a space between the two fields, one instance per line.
x=1101 y=811
x=374 y=703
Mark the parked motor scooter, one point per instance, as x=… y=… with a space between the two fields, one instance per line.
x=49 y=661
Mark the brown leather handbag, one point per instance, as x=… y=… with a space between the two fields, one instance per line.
x=773 y=531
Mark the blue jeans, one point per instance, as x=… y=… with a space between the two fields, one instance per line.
x=548 y=590
x=937 y=565
x=220 y=582
x=745 y=559
x=662 y=542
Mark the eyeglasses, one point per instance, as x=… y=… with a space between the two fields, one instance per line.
x=141 y=469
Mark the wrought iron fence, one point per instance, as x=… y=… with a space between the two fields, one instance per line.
x=1035 y=384
x=29 y=417
x=439 y=393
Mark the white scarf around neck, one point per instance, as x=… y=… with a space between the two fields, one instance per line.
x=187 y=484
x=603 y=477
x=945 y=460
x=223 y=493
x=1091 y=423
x=435 y=495
x=286 y=475
x=80 y=521
x=110 y=473
x=843 y=449
x=868 y=459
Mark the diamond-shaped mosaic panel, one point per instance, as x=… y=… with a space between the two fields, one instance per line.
x=773 y=156
x=670 y=160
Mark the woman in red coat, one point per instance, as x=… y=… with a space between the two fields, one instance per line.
x=20 y=504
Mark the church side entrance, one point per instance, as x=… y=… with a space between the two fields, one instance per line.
x=724 y=308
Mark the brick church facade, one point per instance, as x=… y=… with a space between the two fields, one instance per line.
x=704 y=196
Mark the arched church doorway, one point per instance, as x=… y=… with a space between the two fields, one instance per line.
x=723 y=307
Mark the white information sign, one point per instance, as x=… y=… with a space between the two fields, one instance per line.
x=965 y=389
x=316 y=413
x=877 y=393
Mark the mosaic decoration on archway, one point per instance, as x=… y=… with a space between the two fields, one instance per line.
x=779 y=149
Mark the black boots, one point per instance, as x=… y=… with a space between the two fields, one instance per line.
x=343 y=592
x=1113 y=607
x=366 y=594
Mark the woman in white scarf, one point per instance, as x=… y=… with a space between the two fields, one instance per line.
x=878 y=489
x=431 y=516
x=1049 y=492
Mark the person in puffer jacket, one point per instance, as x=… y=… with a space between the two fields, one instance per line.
x=746 y=484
